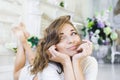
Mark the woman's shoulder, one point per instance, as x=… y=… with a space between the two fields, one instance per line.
x=90 y=59
x=90 y=68
x=89 y=62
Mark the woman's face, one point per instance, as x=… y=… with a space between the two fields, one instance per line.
x=70 y=40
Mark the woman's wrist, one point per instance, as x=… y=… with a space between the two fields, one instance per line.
x=76 y=60
x=66 y=62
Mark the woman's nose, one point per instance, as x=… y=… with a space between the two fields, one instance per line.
x=70 y=40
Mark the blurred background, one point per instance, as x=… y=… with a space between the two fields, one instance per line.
x=96 y=20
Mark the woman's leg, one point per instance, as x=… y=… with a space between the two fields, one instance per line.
x=28 y=50
x=23 y=28
x=29 y=53
x=23 y=50
x=20 y=56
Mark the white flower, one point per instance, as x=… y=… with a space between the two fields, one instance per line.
x=11 y=45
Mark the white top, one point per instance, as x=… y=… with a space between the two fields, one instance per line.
x=89 y=67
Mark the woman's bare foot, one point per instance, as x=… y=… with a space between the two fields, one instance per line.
x=22 y=27
x=19 y=34
x=22 y=35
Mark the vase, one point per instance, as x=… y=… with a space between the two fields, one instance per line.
x=101 y=53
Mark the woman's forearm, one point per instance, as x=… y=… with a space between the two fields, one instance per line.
x=68 y=71
x=78 y=70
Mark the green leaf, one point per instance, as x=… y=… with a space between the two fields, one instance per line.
x=62 y=4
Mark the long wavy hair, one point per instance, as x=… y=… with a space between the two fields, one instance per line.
x=51 y=37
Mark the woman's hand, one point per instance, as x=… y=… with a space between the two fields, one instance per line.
x=57 y=56
x=84 y=50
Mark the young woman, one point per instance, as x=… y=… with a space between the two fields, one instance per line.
x=61 y=55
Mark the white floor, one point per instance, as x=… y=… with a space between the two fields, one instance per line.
x=109 y=72
x=6 y=72
x=106 y=72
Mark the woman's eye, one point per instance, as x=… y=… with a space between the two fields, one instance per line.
x=74 y=33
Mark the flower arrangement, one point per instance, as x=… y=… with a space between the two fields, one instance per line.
x=99 y=29
x=32 y=41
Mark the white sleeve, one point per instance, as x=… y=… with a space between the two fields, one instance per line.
x=50 y=73
x=91 y=69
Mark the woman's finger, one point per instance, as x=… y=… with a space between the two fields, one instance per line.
x=56 y=53
x=51 y=52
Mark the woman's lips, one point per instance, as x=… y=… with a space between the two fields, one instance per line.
x=73 y=48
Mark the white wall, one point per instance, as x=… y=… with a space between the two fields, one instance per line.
x=9 y=15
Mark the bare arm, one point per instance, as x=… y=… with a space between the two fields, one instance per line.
x=77 y=59
x=78 y=70
x=65 y=61
x=68 y=71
